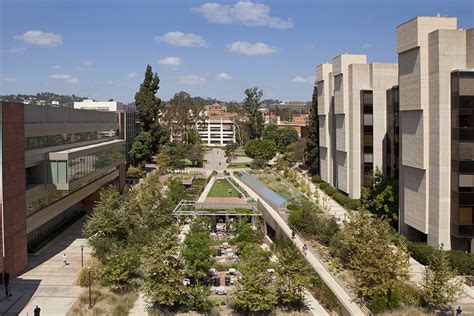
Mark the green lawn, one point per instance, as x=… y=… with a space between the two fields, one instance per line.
x=221 y=188
x=239 y=165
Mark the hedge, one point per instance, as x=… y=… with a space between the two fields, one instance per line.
x=342 y=199
x=461 y=261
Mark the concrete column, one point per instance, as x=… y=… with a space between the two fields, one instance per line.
x=209 y=133
x=252 y=220
x=222 y=133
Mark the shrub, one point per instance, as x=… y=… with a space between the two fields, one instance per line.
x=258 y=164
x=316 y=179
x=462 y=262
x=421 y=251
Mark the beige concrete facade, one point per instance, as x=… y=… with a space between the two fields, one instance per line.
x=429 y=49
x=341 y=118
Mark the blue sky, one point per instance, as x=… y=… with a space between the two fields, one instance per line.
x=100 y=48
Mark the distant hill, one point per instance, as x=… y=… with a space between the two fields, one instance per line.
x=44 y=98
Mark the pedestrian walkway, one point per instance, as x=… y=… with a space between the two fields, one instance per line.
x=46 y=282
x=328 y=279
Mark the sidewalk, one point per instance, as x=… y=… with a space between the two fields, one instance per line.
x=46 y=282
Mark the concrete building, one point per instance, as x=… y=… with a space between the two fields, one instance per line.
x=352 y=110
x=436 y=83
x=217 y=127
x=53 y=162
x=128 y=118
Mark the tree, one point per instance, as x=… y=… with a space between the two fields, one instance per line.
x=440 y=283
x=195 y=154
x=141 y=150
x=380 y=196
x=196 y=251
x=312 y=146
x=121 y=264
x=293 y=277
x=378 y=260
x=254 y=292
x=181 y=116
x=260 y=149
x=271 y=132
x=163 y=161
x=254 y=116
x=285 y=137
x=297 y=151
x=162 y=272
x=230 y=148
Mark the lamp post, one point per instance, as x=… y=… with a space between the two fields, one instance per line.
x=89 y=269
x=82 y=255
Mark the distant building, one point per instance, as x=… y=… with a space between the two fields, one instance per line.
x=54 y=161
x=301 y=107
x=128 y=118
x=217 y=128
x=299 y=122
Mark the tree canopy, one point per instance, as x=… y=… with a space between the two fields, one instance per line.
x=260 y=149
x=312 y=142
x=141 y=150
x=254 y=116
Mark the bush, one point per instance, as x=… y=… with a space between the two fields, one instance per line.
x=316 y=179
x=462 y=262
x=421 y=251
x=258 y=164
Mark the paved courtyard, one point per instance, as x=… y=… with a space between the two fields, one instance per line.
x=46 y=282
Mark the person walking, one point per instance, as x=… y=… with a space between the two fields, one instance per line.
x=305 y=248
x=65 y=262
x=458 y=311
x=6 y=280
x=37 y=311
x=293 y=234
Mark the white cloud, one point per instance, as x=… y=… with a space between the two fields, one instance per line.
x=192 y=79
x=171 y=61
x=243 y=12
x=223 y=76
x=87 y=63
x=40 y=38
x=55 y=67
x=246 y=48
x=9 y=79
x=366 y=46
x=301 y=79
x=15 y=50
x=65 y=77
x=132 y=75
x=182 y=39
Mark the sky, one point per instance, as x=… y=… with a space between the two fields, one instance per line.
x=100 y=48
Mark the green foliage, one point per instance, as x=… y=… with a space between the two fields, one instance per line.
x=196 y=251
x=460 y=261
x=378 y=262
x=246 y=235
x=260 y=149
x=316 y=179
x=258 y=164
x=141 y=150
x=135 y=172
x=282 y=137
x=305 y=218
x=254 y=116
x=312 y=142
x=149 y=107
x=122 y=261
x=230 y=148
x=162 y=280
x=198 y=298
x=440 y=285
x=176 y=191
x=297 y=151
x=254 y=291
x=43 y=98
x=380 y=196
x=293 y=277
x=344 y=200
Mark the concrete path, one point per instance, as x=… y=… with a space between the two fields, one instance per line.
x=330 y=281
x=206 y=190
x=46 y=282
x=216 y=160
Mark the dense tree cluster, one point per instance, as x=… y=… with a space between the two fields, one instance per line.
x=260 y=149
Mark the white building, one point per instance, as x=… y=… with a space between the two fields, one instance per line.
x=217 y=128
